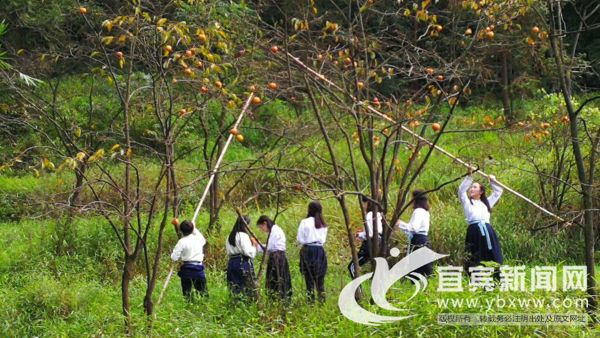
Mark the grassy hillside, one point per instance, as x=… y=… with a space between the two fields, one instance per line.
x=78 y=294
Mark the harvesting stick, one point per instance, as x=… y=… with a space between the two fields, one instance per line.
x=210 y=180
x=370 y=108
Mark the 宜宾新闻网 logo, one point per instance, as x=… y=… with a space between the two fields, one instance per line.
x=383 y=279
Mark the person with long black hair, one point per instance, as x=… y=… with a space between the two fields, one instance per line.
x=481 y=242
x=241 y=249
x=312 y=234
x=279 y=281
x=417 y=228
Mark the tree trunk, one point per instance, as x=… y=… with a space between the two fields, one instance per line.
x=128 y=271
x=586 y=193
x=214 y=203
x=350 y=234
x=63 y=245
x=506 y=97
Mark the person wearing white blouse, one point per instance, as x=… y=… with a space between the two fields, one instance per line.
x=279 y=280
x=189 y=249
x=241 y=250
x=365 y=235
x=312 y=234
x=481 y=242
x=417 y=228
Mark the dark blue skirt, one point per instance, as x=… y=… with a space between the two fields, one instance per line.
x=477 y=248
x=419 y=241
x=279 y=279
x=240 y=274
x=313 y=260
x=191 y=271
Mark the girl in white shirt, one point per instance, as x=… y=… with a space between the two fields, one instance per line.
x=481 y=243
x=279 y=281
x=241 y=250
x=365 y=235
x=312 y=233
x=189 y=249
x=417 y=228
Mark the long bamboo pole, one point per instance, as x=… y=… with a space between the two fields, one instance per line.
x=370 y=108
x=206 y=189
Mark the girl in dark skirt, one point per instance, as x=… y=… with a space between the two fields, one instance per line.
x=241 y=250
x=481 y=243
x=312 y=234
x=417 y=228
x=189 y=249
x=279 y=281
x=365 y=235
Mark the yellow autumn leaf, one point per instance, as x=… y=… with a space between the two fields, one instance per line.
x=108 y=25
x=107 y=40
x=71 y=163
x=46 y=164
x=161 y=22
x=99 y=154
x=80 y=156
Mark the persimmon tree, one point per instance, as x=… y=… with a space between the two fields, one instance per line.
x=584 y=130
x=154 y=80
x=410 y=62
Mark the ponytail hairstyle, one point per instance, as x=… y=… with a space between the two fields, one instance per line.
x=420 y=199
x=483 y=198
x=315 y=210
x=265 y=219
x=239 y=226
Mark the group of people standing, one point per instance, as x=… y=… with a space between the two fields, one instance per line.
x=481 y=244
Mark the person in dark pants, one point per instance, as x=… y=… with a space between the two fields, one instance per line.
x=241 y=249
x=481 y=242
x=364 y=253
x=312 y=234
x=189 y=249
x=279 y=280
x=417 y=228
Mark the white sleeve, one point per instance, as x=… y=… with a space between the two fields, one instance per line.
x=324 y=235
x=496 y=193
x=369 y=224
x=246 y=245
x=177 y=251
x=379 y=223
x=199 y=234
x=463 y=194
x=301 y=237
x=277 y=236
x=415 y=221
x=405 y=227
x=362 y=235
x=464 y=188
